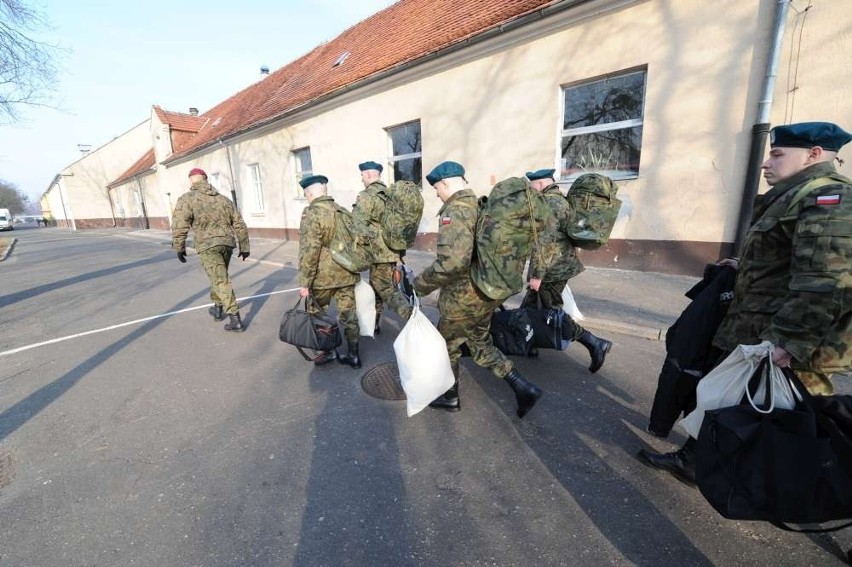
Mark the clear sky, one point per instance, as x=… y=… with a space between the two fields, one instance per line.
x=120 y=58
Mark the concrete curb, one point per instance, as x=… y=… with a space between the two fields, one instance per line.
x=8 y=249
x=640 y=331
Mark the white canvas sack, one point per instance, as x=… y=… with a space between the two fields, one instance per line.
x=569 y=306
x=424 y=365
x=725 y=385
x=365 y=307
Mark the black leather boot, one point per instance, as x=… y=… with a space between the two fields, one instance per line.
x=378 y=329
x=449 y=400
x=325 y=356
x=598 y=349
x=681 y=463
x=216 y=312
x=351 y=358
x=235 y=323
x=526 y=393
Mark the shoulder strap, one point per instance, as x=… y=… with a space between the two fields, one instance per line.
x=811 y=186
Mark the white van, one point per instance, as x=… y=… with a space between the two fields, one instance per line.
x=5 y=220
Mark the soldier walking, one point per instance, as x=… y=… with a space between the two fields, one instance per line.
x=214 y=221
x=368 y=211
x=319 y=275
x=566 y=265
x=465 y=312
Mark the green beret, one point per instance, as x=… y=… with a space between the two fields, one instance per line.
x=306 y=182
x=370 y=165
x=809 y=134
x=444 y=170
x=541 y=174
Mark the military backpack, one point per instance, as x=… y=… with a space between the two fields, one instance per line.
x=510 y=225
x=402 y=214
x=350 y=245
x=592 y=198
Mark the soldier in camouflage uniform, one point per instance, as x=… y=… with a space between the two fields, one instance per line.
x=319 y=275
x=465 y=312
x=214 y=220
x=566 y=266
x=368 y=210
x=793 y=287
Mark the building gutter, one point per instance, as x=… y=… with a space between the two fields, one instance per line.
x=231 y=170
x=491 y=33
x=760 y=130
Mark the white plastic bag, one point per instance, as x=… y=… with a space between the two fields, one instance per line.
x=365 y=307
x=569 y=306
x=424 y=365
x=726 y=384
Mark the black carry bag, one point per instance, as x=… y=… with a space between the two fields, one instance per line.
x=303 y=330
x=511 y=331
x=546 y=323
x=779 y=466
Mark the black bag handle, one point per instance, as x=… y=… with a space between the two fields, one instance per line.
x=306 y=300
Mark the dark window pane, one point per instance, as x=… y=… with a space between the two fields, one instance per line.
x=603 y=152
x=405 y=138
x=408 y=170
x=602 y=102
x=304 y=157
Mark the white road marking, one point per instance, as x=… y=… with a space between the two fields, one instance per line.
x=134 y=322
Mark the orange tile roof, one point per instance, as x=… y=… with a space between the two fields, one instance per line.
x=401 y=33
x=179 y=120
x=142 y=165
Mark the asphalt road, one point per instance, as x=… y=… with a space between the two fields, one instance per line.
x=135 y=431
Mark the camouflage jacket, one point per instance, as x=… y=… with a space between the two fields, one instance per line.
x=368 y=211
x=317 y=270
x=566 y=264
x=794 y=286
x=212 y=217
x=450 y=271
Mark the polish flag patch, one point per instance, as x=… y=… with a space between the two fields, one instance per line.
x=448 y=220
x=828 y=200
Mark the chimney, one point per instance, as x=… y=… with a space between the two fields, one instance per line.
x=193 y=111
x=264 y=72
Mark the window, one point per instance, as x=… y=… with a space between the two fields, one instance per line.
x=406 y=152
x=214 y=180
x=304 y=168
x=602 y=126
x=256 y=202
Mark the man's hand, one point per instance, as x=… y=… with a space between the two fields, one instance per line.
x=304 y=292
x=535 y=283
x=732 y=262
x=781 y=358
x=182 y=256
x=244 y=255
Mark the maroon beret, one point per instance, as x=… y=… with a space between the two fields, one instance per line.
x=197 y=171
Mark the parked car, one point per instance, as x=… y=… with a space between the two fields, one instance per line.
x=6 y=220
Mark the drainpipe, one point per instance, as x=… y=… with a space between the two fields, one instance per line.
x=231 y=170
x=142 y=202
x=760 y=130
x=62 y=200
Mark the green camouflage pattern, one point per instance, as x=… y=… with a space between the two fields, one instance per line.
x=368 y=211
x=215 y=261
x=794 y=286
x=381 y=278
x=344 y=300
x=212 y=217
x=566 y=264
x=349 y=246
x=465 y=312
x=317 y=269
x=592 y=198
x=514 y=222
x=402 y=214
x=550 y=294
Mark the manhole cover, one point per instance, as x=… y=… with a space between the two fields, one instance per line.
x=382 y=381
x=7 y=469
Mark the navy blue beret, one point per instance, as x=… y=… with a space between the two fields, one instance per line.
x=541 y=174
x=306 y=182
x=443 y=170
x=809 y=134
x=370 y=165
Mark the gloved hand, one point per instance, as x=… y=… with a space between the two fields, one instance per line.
x=182 y=256
x=244 y=255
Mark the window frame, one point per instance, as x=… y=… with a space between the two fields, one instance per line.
x=257 y=201
x=298 y=173
x=394 y=159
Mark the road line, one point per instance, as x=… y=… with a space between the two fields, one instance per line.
x=134 y=322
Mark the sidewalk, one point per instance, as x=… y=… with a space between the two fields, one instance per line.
x=641 y=304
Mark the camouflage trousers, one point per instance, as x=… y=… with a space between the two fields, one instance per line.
x=381 y=278
x=215 y=262
x=551 y=296
x=473 y=330
x=344 y=299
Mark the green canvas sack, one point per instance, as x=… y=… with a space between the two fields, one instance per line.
x=511 y=221
x=350 y=245
x=592 y=198
x=401 y=218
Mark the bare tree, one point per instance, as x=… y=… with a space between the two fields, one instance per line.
x=27 y=69
x=11 y=198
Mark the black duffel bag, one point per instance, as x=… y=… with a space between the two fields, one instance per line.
x=316 y=332
x=779 y=466
x=511 y=331
x=546 y=322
